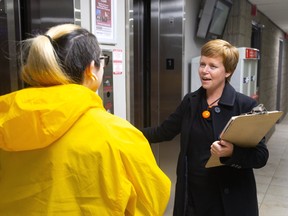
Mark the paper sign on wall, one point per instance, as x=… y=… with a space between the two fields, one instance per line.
x=117 y=61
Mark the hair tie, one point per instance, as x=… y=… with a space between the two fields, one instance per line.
x=50 y=39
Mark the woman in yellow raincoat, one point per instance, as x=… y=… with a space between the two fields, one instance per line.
x=61 y=153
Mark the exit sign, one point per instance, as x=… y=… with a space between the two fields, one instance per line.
x=251 y=53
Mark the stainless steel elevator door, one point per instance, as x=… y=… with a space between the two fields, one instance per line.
x=166 y=77
x=158 y=67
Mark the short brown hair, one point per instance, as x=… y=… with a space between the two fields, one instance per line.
x=224 y=49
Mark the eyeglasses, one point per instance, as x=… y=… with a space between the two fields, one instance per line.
x=106 y=59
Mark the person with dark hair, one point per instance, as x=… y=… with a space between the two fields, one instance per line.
x=61 y=152
x=228 y=190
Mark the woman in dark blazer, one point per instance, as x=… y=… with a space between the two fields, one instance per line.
x=228 y=190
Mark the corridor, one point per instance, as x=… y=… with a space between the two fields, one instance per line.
x=272 y=180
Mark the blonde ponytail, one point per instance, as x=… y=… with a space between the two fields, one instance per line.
x=42 y=68
x=58 y=57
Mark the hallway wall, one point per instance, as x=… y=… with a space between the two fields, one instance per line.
x=238 y=32
x=119 y=79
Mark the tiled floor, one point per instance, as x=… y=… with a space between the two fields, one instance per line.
x=272 y=180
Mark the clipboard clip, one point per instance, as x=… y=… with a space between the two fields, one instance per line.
x=260 y=109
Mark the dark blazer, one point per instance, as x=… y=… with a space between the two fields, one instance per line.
x=236 y=179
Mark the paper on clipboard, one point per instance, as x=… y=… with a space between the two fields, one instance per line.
x=246 y=131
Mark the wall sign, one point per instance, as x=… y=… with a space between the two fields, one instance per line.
x=103 y=20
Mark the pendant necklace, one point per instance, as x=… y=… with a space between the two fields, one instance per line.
x=206 y=113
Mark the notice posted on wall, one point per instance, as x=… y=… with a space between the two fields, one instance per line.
x=105 y=20
x=117 y=61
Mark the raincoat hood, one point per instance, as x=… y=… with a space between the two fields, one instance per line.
x=34 y=118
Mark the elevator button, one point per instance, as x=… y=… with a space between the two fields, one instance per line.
x=169 y=64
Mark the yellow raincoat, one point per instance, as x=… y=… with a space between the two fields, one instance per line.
x=62 y=154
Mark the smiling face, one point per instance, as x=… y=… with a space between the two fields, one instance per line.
x=212 y=74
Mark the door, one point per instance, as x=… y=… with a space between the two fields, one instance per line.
x=279 y=78
x=9 y=35
x=157 y=78
x=256 y=43
x=19 y=20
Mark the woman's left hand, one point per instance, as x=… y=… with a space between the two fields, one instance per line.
x=222 y=148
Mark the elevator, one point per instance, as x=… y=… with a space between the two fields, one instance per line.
x=158 y=47
x=21 y=19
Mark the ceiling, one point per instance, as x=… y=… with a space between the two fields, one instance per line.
x=275 y=10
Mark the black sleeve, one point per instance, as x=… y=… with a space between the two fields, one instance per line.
x=256 y=157
x=170 y=127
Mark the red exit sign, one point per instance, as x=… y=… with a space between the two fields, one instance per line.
x=251 y=53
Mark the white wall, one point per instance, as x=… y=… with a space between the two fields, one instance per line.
x=192 y=44
x=119 y=80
